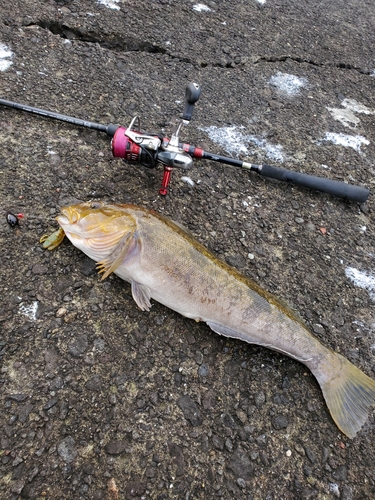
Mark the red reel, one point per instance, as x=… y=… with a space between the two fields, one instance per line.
x=124 y=147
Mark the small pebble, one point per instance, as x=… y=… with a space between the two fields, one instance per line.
x=241 y=482
x=60 y=312
x=67 y=449
x=334 y=488
x=188 y=180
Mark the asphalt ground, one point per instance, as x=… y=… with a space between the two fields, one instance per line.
x=103 y=401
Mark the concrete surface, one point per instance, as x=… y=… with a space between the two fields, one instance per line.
x=102 y=401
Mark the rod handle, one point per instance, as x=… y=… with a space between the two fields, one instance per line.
x=336 y=188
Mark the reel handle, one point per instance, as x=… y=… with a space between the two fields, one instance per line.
x=192 y=94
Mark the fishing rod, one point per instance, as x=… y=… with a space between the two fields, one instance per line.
x=151 y=150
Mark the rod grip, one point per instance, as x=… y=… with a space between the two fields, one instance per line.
x=336 y=188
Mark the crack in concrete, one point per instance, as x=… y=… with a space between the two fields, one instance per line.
x=302 y=60
x=111 y=42
x=131 y=44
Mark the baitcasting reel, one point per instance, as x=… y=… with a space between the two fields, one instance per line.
x=136 y=146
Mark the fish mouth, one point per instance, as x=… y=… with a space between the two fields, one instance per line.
x=81 y=226
x=62 y=220
x=68 y=215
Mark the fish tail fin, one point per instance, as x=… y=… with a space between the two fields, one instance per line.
x=349 y=395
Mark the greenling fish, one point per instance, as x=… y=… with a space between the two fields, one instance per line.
x=163 y=262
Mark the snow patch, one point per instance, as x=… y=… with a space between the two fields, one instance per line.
x=362 y=279
x=288 y=84
x=272 y=151
x=5 y=57
x=111 y=4
x=346 y=115
x=229 y=138
x=236 y=143
x=29 y=310
x=348 y=141
x=357 y=107
x=200 y=7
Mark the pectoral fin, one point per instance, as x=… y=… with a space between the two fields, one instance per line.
x=127 y=249
x=141 y=295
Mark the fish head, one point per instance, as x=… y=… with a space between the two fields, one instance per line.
x=96 y=227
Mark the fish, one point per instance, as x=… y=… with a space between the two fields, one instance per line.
x=163 y=262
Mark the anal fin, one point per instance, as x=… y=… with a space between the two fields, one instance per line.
x=246 y=337
x=228 y=332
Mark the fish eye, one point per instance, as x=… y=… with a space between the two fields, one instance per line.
x=95 y=204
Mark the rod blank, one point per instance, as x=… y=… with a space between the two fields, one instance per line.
x=108 y=129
